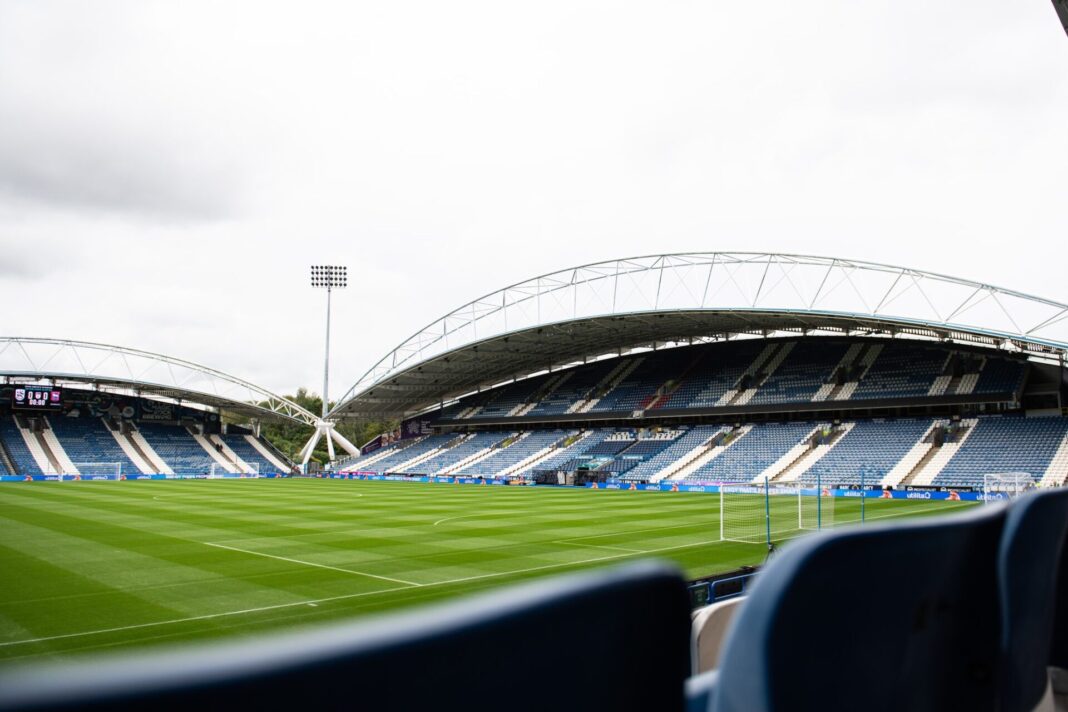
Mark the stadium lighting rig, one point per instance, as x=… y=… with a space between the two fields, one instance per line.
x=328 y=277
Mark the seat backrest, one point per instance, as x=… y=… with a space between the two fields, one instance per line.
x=541 y=646
x=1058 y=654
x=884 y=617
x=710 y=626
x=1028 y=563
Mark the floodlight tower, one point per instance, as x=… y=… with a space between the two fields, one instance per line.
x=328 y=277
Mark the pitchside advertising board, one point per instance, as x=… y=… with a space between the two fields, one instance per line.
x=948 y=494
x=37 y=398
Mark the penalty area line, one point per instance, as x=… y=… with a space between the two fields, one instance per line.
x=312 y=563
x=597 y=546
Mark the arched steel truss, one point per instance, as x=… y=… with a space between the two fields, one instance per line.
x=747 y=292
x=131 y=371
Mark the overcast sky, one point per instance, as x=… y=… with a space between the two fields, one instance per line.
x=169 y=170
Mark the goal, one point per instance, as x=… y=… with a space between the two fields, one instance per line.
x=769 y=512
x=97 y=469
x=87 y=469
x=1006 y=485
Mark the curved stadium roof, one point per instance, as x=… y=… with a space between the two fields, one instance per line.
x=578 y=314
x=116 y=369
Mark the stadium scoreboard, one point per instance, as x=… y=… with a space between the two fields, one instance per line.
x=37 y=398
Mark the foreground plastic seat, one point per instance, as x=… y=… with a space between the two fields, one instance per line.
x=1058 y=654
x=542 y=646
x=1032 y=549
x=710 y=626
x=889 y=617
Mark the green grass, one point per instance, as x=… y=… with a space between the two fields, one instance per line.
x=91 y=566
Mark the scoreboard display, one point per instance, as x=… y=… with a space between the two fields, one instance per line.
x=37 y=398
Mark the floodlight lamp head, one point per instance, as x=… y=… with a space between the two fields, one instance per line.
x=329 y=276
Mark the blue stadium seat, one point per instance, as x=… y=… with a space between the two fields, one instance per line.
x=1058 y=654
x=1005 y=444
x=541 y=646
x=1030 y=554
x=900 y=617
x=242 y=448
x=16 y=447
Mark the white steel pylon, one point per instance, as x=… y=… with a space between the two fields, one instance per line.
x=325 y=428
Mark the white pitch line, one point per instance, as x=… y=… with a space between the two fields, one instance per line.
x=462 y=516
x=311 y=563
x=597 y=546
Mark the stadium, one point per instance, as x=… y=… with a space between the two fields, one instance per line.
x=780 y=424
x=756 y=397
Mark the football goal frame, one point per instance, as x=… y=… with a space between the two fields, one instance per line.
x=91 y=469
x=767 y=512
x=1006 y=485
x=87 y=469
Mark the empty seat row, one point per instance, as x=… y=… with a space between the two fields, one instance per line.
x=699 y=377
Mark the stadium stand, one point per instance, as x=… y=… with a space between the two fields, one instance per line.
x=901 y=370
x=655 y=467
x=717 y=372
x=248 y=453
x=579 y=447
x=765 y=377
x=870 y=449
x=88 y=440
x=1004 y=444
x=504 y=458
x=177 y=447
x=637 y=390
x=507 y=400
x=801 y=374
x=454 y=458
x=1000 y=375
x=399 y=456
x=752 y=453
x=574 y=390
x=23 y=459
x=750 y=373
x=900 y=451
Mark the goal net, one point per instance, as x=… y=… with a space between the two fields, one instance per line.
x=249 y=469
x=1006 y=485
x=89 y=469
x=770 y=512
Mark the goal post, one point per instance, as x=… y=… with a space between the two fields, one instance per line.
x=815 y=507
x=1006 y=485
x=768 y=512
x=90 y=469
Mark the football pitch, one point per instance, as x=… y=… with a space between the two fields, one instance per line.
x=91 y=566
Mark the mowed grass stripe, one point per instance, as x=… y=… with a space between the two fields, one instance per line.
x=306 y=543
x=214 y=582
